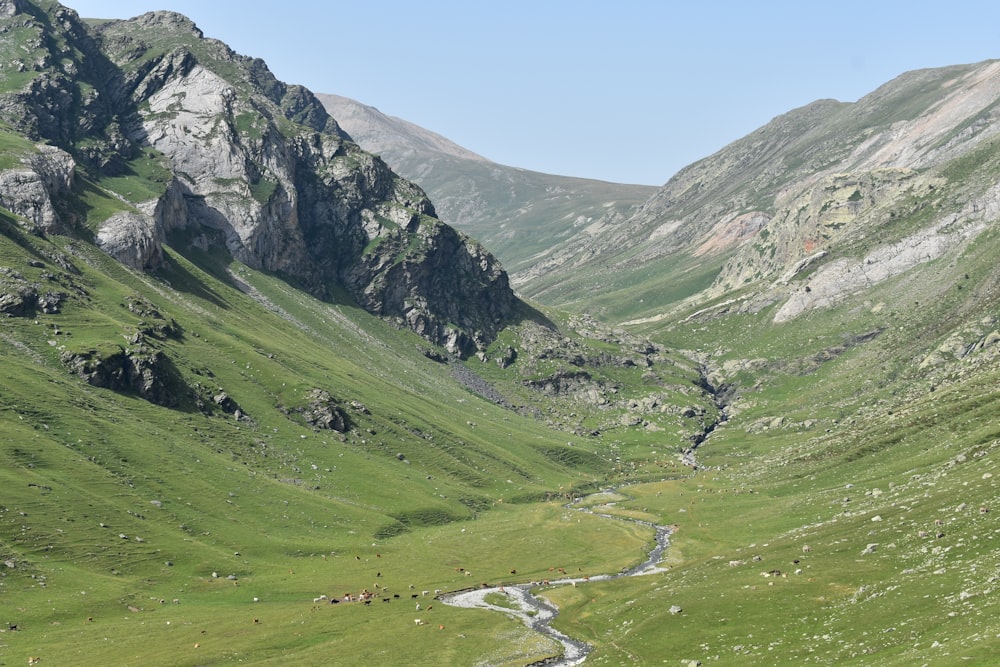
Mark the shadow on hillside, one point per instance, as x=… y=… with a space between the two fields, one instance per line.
x=525 y=312
x=182 y=279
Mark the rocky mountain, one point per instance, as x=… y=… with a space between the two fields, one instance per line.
x=820 y=203
x=212 y=152
x=523 y=216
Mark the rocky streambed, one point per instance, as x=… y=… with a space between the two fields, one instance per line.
x=538 y=614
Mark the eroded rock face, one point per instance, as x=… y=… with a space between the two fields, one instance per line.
x=134 y=239
x=32 y=190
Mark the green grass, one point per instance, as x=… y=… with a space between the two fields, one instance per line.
x=296 y=504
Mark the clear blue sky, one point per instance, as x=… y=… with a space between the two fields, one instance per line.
x=619 y=90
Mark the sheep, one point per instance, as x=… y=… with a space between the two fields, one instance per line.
x=417 y=621
x=319 y=599
x=806 y=548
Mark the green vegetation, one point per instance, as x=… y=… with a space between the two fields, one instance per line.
x=196 y=462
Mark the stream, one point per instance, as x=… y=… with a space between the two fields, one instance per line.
x=538 y=614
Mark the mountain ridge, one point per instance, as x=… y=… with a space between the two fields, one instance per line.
x=521 y=215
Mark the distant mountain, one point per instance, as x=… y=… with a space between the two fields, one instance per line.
x=522 y=216
x=821 y=202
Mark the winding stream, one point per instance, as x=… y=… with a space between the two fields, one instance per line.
x=537 y=614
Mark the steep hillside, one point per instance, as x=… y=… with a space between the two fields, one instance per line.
x=823 y=190
x=197 y=141
x=522 y=216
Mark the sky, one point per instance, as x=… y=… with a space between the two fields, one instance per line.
x=627 y=91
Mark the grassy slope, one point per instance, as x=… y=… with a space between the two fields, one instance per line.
x=872 y=448
x=283 y=507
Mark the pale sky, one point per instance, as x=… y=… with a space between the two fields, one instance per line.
x=619 y=90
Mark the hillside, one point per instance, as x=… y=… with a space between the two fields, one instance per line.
x=522 y=216
x=808 y=194
x=260 y=405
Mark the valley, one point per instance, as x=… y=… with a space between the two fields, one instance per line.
x=260 y=404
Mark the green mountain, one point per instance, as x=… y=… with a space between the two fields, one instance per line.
x=247 y=372
x=523 y=216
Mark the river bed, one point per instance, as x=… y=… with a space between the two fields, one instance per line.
x=537 y=614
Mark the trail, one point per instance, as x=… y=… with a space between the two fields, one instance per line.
x=538 y=614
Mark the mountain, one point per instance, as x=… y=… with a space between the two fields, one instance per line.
x=522 y=216
x=221 y=437
x=805 y=198
x=234 y=160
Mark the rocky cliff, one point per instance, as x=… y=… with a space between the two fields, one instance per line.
x=200 y=145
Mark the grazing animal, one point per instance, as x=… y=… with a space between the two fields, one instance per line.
x=33 y=660
x=417 y=621
x=319 y=599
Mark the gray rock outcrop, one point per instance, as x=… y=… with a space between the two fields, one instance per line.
x=31 y=191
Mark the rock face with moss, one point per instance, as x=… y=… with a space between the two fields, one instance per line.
x=207 y=148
